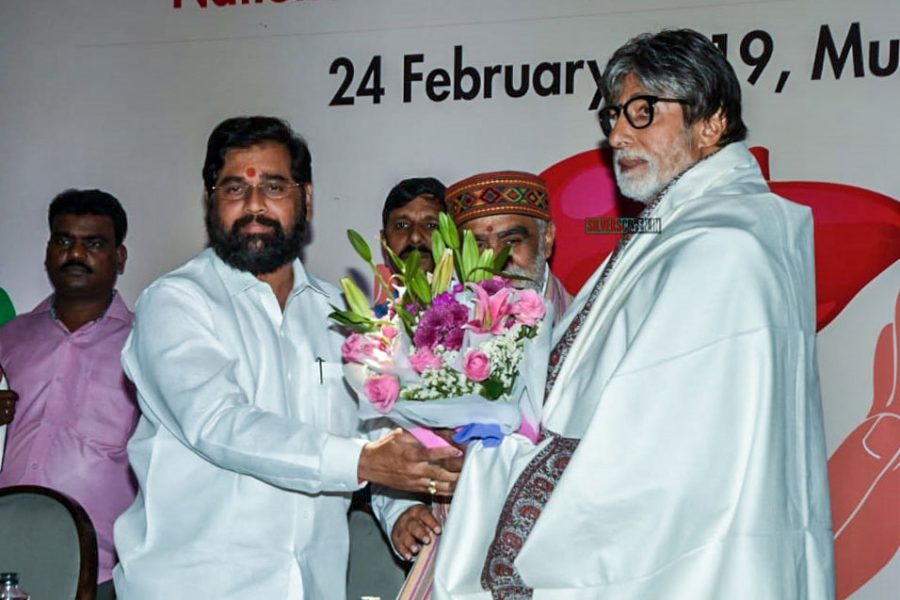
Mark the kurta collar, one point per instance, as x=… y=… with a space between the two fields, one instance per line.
x=237 y=281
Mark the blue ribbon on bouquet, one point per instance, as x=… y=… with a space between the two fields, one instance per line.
x=490 y=434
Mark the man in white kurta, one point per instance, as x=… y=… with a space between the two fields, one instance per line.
x=247 y=450
x=683 y=407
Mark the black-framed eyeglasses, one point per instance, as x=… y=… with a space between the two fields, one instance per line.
x=638 y=111
x=274 y=189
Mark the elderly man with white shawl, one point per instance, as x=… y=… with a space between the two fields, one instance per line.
x=683 y=452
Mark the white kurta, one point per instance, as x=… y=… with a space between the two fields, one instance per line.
x=246 y=453
x=701 y=472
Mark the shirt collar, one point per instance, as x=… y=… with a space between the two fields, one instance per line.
x=237 y=281
x=116 y=309
x=303 y=280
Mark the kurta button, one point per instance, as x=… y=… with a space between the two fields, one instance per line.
x=34 y=466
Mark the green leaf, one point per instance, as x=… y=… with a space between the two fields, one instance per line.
x=356 y=300
x=500 y=259
x=398 y=263
x=359 y=244
x=413 y=265
x=385 y=285
x=448 y=230
x=486 y=261
x=491 y=388
x=470 y=254
x=418 y=285
x=512 y=277
x=437 y=246
x=352 y=320
x=406 y=318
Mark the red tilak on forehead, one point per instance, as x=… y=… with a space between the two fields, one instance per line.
x=490 y=229
x=250 y=172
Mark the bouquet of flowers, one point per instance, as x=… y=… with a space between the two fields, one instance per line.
x=450 y=348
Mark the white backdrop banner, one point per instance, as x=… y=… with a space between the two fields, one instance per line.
x=122 y=94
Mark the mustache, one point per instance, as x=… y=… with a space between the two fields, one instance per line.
x=628 y=154
x=260 y=219
x=423 y=250
x=75 y=263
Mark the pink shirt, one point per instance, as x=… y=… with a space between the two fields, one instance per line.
x=75 y=413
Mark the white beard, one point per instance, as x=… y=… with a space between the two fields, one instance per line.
x=643 y=188
x=535 y=275
x=656 y=174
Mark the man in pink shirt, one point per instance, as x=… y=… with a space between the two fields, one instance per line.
x=75 y=409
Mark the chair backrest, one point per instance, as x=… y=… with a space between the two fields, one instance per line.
x=374 y=571
x=48 y=539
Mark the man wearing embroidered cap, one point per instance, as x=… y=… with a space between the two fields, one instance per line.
x=503 y=208
x=512 y=208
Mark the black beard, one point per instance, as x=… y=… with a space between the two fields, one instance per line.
x=256 y=253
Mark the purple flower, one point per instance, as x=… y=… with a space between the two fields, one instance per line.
x=444 y=300
x=442 y=324
x=454 y=339
x=493 y=285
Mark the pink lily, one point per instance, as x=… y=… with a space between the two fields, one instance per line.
x=490 y=310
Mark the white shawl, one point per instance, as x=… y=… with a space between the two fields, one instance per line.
x=702 y=467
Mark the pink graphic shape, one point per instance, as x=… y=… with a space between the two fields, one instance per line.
x=580 y=187
x=857 y=231
x=865 y=477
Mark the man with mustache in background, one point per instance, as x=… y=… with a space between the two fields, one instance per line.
x=409 y=216
x=75 y=409
x=408 y=219
x=683 y=451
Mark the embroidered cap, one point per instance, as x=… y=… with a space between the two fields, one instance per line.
x=497 y=193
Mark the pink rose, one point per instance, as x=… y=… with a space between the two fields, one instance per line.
x=424 y=358
x=357 y=348
x=477 y=365
x=382 y=391
x=528 y=307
